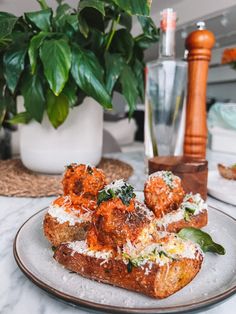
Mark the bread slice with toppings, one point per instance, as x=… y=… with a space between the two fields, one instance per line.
x=65 y=222
x=191 y=213
x=157 y=269
x=227 y=172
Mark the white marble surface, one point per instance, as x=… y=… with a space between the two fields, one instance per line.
x=18 y=295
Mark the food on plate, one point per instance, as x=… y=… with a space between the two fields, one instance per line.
x=191 y=212
x=227 y=172
x=157 y=269
x=119 y=218
x=163 y=192
x=65 y=221
x=69 y=216
x=117 y=239
x=82 y=183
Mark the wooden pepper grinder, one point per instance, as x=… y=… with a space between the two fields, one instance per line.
x=199 y=44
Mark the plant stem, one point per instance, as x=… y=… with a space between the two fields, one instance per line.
x=43 y=4
x=112 y=32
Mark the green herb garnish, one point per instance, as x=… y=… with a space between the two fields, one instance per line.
x=125 y=193
x=53 y=248
x=203 y=239
x=129 y=267
x=89 y=170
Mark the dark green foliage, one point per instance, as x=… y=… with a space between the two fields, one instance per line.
x=56 y=59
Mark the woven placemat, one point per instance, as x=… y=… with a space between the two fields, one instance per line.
x=16 y=180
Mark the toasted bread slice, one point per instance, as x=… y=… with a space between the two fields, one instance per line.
x=156 y=278
x=191 y=213
x=57 y=232
x=196 y=221
x=227 y=172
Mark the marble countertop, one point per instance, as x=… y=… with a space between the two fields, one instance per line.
x=18 y=295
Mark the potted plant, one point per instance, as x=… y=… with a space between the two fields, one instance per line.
x=66 y=65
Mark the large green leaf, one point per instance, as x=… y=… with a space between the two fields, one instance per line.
x=14 y=60
x=70 y=91
x=129 y=88
x=22 y=117
x=7 y=23
x=203 y=239
x=88 y=74
x=95 y=4
x=56 y=57
x=114 y=66
x=123 y=42
x=57 y=108
x=34 y=100
x=150 y=32
x=40 y=19
x=136 y=7
x=35 y=44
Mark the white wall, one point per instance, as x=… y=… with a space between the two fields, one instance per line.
x=18 y=7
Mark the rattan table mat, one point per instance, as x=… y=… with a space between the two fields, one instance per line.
x=16 y=180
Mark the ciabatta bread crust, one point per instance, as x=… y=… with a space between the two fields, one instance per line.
x=57 y=232
x=197 y=221
x=227 y=172
x=156 y=281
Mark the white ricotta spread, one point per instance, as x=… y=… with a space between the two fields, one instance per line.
x=82 y=248
x=197 y=205
x=62 y=216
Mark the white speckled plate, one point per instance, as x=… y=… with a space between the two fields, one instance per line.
x=221 y=188
x=215 y=282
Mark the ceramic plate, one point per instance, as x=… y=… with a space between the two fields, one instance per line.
x=221 y=188
x=215 y=282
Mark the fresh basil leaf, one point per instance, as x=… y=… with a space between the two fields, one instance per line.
x=189 y=210
x=22 y=117
x=129 y=267
x=41 y=19
x=203 y=239
x=33 y=93
x=88 y=74
x=57 y=108
x=187 y=216
x=95 y=4
x=129 y=88
x=137 y=7
x=56 y=58
x=14 y=63
x=35 y=44
x=114 y=66
x=103 y=196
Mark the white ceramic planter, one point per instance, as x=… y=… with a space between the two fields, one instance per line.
x=78 y=139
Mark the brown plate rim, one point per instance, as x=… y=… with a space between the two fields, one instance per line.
x=193 y=307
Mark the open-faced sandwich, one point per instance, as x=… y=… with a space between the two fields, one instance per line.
x=227 y=172
x=174 y=209
x=104 y=232
x=69 y=216
x=123 y=248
